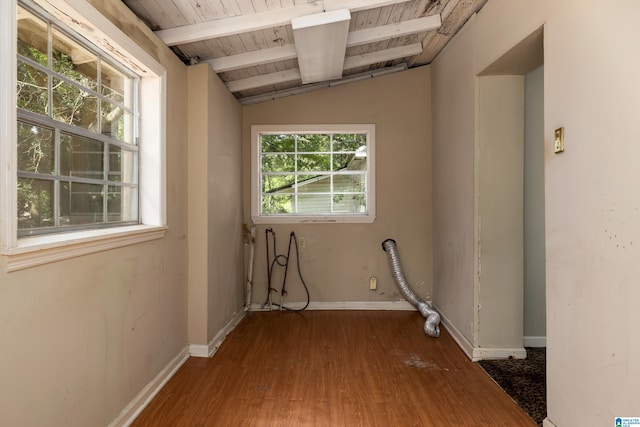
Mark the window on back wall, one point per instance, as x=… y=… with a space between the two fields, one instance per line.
x=82 y=129
x=77 y=152
x=319 y=173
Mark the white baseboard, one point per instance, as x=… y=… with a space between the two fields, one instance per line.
x=478 y=353
x=492 y=353
x=142 y=399
x=201 y=350
x=465 y=345
x=547 y=423
x=345 y=305
x=535 y=342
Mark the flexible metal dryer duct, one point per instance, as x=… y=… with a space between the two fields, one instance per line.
x=432 y=324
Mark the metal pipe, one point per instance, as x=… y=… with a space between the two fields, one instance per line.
x=432 y=324
x=249 y=285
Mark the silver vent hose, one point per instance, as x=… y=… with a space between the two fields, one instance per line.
x=432 y=324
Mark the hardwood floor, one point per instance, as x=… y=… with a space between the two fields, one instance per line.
x=333 y=368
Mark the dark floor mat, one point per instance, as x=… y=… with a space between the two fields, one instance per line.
x=524 y=380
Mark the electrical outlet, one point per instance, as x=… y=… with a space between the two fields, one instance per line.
x=373 y=283
x=302 y=242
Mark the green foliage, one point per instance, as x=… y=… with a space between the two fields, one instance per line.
x=288 y=159
x=70 y=104
x=34 y=203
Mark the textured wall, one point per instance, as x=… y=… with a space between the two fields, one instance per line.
x=80 y=338
x=340 y=258
x=591 y=202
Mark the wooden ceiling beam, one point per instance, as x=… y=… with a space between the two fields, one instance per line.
x=385 y=55
x=349 y=63
x=355 y=38
x=454 y=16
x=260 y=21
x=252 y=59
x=264 y=80
x=384 y=32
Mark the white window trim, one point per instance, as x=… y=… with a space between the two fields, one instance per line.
x=26 y=252
x=368 y=217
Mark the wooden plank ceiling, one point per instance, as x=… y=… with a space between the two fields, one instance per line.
x=250 y=43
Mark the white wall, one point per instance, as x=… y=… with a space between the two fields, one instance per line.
x=534 y=245
x=591 y=203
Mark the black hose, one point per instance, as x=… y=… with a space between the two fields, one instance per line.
x=283 y=261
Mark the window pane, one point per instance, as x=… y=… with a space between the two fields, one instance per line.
x=342 y=161
x=122 y=204
x=81 y=203
x=314 y=143
x=314 y=162
x=122 y=165
x=74 y=106
x=73 y=61
x=36 y=148
x=349 y=183
x=57 y=79
x=32 y=37
x=116 y=122
x=277 y=204
x=314 y=204
x=277 y=183
x=277 y=143
x=315 y=184
x=81 y=157
x=31 y=90
x=115 y=85
x=349 y=203
x=35 y=203
x=349 y=141
x=278 y=162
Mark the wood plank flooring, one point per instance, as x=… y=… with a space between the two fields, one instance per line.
x=333 y=368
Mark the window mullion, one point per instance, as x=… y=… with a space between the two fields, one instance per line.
x=295 y=173
x=332 y=208
x=105 y=177
x=50 y=68
x=56 y=182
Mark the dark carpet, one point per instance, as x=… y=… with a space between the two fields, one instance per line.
x=524 y=380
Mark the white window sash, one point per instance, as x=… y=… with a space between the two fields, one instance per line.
x=80 y=15
x=256 y=175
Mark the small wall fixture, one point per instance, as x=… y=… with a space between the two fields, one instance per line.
x=558 y=146
x=321 y=43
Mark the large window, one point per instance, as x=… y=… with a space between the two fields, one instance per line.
x=313 y=173
x=82 y=134
x=77 y=132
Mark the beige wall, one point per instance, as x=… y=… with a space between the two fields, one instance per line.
x=224 y=200
x=453 y=184
x=534 y=244
x=591 y=190
x=339 y=258
x=216 y=276
x=499 y=163
x=80 y=338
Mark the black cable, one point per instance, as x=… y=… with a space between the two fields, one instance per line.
x=283 y=261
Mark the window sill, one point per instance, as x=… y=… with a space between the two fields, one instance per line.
x=294 y=219
x=39 y=250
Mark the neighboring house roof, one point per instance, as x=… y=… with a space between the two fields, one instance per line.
x=354 y=163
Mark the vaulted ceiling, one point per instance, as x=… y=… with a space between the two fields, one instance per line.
x=251 y=44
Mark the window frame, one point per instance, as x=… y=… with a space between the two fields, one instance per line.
x=256 y=173
x=82 y=18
